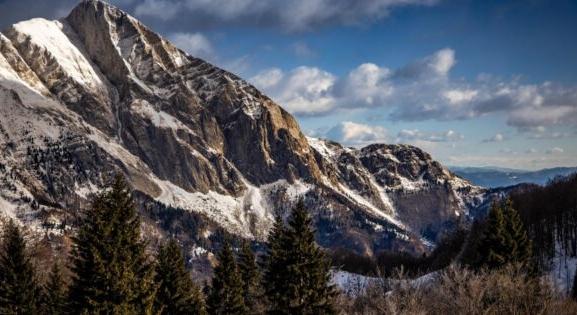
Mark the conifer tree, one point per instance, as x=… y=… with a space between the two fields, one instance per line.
x=177 y=293
x=55 y=295
x=298 y=272
x=19 y=290
x=112 y=273
x=226 y=293
x=504 y=239
x=521 y=248
x=251 y=279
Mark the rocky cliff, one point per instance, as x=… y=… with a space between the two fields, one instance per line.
x=98 y=93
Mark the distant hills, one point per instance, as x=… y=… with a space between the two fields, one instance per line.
x=501 y=177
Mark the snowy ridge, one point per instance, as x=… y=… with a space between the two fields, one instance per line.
x=99 y=93
x=160 y=119
x=51 y=37
x=321 y=147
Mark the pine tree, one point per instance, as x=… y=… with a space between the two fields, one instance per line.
x=55 y=295
x=226 y=293
x=274 y=261
x=19 y=290
x=251 y=279
x=112 y=273
x=297 y=278
x=504 y=239
x=177 y=293
x=521 y=248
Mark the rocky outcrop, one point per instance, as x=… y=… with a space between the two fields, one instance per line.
x=98 y=93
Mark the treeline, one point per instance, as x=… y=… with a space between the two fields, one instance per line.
x=492 y=271
x=112 y=273
x=491 y=242
x=387 y=263
x=550 y=215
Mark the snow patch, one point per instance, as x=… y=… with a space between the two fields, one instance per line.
x=86 y=190
x=50 y=35
x=352 y=284
x=351 y=194
x=562 y=269
x=321 y=147
x=160 y=119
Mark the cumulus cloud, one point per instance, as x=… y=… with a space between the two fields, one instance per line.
x=424 y=90
x=411 y=135
x=496 y=138
x=195 y=44
x=437 y=65
x=304 y=90
x=555 y=150
x=355 y=134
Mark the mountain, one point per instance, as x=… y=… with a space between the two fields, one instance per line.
x=98 y=93
x=502 y=177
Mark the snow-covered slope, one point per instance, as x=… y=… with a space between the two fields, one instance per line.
x=98 y=93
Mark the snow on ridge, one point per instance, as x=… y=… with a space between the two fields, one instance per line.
x=228 y=211
x=52 y=36
x=354 y=196
x=382 y=194
x=412 y=185
x=352 y=284
x=11 y=78
x=160 y=119
x=321 y=147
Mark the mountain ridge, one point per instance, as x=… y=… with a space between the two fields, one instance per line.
x=499 y=177
x=99 y=93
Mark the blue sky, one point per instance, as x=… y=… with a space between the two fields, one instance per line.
x=472 y=82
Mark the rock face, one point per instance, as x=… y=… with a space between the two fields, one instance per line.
x=99 y=93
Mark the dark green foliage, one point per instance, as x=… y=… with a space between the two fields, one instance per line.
x=387 y=263
x=274 y=261
x=54 y=299
x=297 y=274
x=19 y=291
x=226 y=293
x=252 y=291
x=549 y=214
x=112 y=274
x=176 y=294
x=504 y=239
x=520 y=246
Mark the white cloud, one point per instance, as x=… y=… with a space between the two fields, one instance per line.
x=424 y=90
x=268 y=79
x=195 y=44
x=496 y=138
x=411 y=135
x=436 y=65
x=555 y=150
x=459 y=96
x=304 y=90
x=355 y=134
x=365 y=86
x=443 y=61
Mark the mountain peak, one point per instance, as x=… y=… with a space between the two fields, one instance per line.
x=98 y=93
